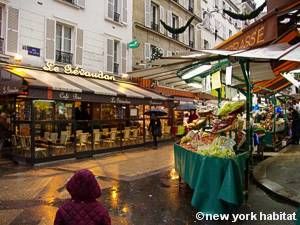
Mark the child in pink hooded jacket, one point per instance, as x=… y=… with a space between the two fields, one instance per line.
x=83 y=208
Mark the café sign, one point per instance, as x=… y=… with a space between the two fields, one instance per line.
x=77 y=71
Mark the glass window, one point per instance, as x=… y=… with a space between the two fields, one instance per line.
x=58 y=37
x=23 y=110
x=64 y=111
x=108 y=112
x=44 y=109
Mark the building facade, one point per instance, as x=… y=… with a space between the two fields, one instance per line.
x=217 y=26
x=150 y=33
x=83 y=33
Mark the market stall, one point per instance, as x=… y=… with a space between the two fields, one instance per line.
x=217 y=195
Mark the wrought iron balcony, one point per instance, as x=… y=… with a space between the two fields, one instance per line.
x=191 y=9
x=64 y=57
x=191 y=44
x=116 y=16
x=116 y=68
x=154 y=26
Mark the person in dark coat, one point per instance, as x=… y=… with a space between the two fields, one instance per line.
x=193 y=116
x=83 y=208
x=3 y=129
x=155 y=128
x=295 y=126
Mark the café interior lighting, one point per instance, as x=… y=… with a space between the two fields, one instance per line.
x=194 y=72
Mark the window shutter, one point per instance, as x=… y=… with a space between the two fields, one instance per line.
x=162 y=18
x=169 y=21
x=50 y=40
x=186 y=5
x=79 y=47
x=124 y=13
x=109 y=55
x=110 y=9
x=124 y=57
x=147 y=13
x=181 y=36
x=12 y=30
x=147 y=52
x=81 y=3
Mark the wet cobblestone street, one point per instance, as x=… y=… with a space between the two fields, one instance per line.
x=139 y=188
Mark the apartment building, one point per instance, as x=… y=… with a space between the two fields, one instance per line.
x=217 y=26
x=148 y=30
x=85 y=33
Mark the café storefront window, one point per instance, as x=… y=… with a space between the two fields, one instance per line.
x=57 y=116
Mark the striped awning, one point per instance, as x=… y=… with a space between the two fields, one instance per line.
x=74 y=84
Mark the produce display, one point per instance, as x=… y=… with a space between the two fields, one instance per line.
x=220 y=125
x=230 y=107
x=222 y=147
x=196 y=123
x=216 y=142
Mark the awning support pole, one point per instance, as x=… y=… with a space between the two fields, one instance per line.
x=245 y=66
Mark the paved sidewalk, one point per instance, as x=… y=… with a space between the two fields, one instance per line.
x=280 y=174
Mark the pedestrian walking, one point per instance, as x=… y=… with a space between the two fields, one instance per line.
x=83 y=207
x=3 y=129
x=155 y=128
x=295 y=125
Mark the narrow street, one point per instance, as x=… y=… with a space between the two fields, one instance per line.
x=139 y=188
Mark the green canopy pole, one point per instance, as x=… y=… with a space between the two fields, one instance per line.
x=245 y=68
x=219 y=97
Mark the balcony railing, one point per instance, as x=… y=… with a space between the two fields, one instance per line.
x=64 y=57
x=154 y=26
x=116 y=68
x=116 y=16
x=191 y=44
x=191 y=9
x=1 y=45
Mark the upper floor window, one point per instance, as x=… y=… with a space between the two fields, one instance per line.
x=175 y=23
x=116 y=56
x=1 y=30
x=216 y=4
x=191 y=36
x=191 y=6
x=206 y=44
x=76 y=3
x=63 y=44
x=117 y=10
x=154 y=16
x=230 y=33
x=224 y=7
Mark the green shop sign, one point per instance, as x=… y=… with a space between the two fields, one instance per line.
x=133 y=44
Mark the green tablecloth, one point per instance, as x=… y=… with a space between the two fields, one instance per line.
x=217 y=183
